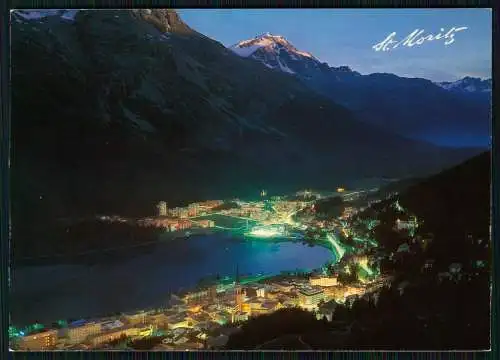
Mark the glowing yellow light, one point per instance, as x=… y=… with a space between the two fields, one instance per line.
x=195 y=309
x=340 y=189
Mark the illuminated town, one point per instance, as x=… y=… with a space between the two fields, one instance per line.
x=204 y=317
x=217 y=180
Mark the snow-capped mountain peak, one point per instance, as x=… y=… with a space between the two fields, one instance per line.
x=267 y=42
x=467 y=84
x=276 y=52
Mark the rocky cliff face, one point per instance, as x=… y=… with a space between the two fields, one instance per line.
x=165 y=20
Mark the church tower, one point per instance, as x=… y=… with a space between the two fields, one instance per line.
x=238 y=293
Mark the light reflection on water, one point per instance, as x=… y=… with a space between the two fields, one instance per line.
x=49 y=293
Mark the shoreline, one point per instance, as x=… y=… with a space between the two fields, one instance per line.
x=320 y=242
x=201 y=282
x=78 y=259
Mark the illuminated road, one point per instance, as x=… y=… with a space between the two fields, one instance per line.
x=365 y=267
x=361 y=240
x=338 y=248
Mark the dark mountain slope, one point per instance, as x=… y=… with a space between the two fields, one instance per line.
x=456 y=202
x=455 y=206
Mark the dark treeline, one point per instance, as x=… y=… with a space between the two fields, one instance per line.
x=264 y=328
x=456 y=207
x=332 y=207
x=227 y=206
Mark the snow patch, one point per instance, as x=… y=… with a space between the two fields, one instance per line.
x=470 y=88
x=304 y=53
x=65 y=14
x=466 y=84
x=445 y=85
x=69 y=15
x=35 y=14
x=284 y=68
x=245 y=51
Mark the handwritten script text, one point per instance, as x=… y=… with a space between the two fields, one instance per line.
x=417 y=37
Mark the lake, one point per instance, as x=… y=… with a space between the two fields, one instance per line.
x=121 y=282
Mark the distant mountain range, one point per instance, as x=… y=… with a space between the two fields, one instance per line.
x=468 y=85
x=113 y=110
x=456 y=114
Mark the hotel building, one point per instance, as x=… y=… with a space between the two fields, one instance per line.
x=162 y=209
x=117 y=334
x=81 y=331
x=196 y=296
x=137 y=318
x=40 y=341
x=193 y=209
x=310 y=297
x=261 y=292
x=323 y=281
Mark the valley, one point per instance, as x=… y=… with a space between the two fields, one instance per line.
x=206 y=185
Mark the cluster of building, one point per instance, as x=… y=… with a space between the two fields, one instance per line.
x=168 y=224
x=195 y=319
x=192 y=210
x=112 y=218
x=242 y=302
x=181 y=218
x=258 y=211
x=307 y=193
x=253 y=210
x=85 y=334
x=411 y=224
x=178 y=219
x=348 y=212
